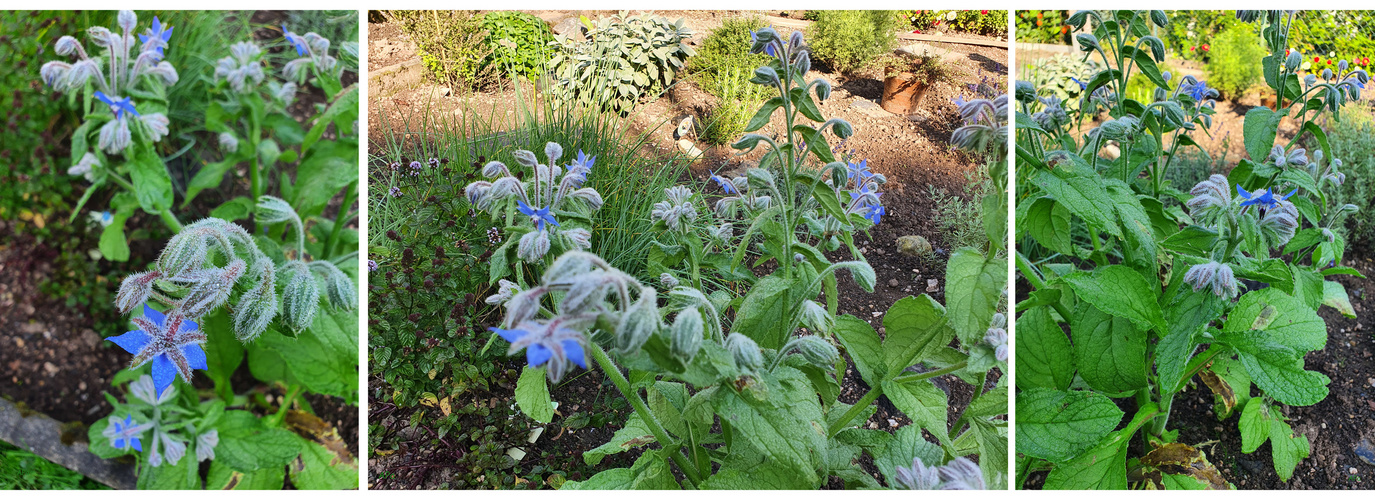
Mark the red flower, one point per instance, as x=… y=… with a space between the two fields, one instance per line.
x=983 y=12
x=1329 y=61
x=1316 y=58
x=1205 y=47
x=1064 y=29
x=1038 y=22
x=1040 y=15
x=1193 y=49
x=1286 y=52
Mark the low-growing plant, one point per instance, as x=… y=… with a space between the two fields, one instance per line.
x=1224 y=285
x=1234 y=64
x=848 y=40
x=982 y=22
x=623 y=59
x=749 y=403
x=1060 y=77
x=517 y=44
x=215 y=285
x=1354 y=141
x=451 y=44
x=722 y=67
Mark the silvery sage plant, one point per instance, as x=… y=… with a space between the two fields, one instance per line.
x=532 y=207
x=1157 y=284
x=743 y=392
x=122 y=83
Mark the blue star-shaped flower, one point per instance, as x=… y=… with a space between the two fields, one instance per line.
x=119 y=107
x=1197 y=90
x=1082 y=85
x=172 y=343
x=539 y=217
x=584 y=160
x=876 y=212
x=124 y=434
x=546 y=344
x=725 y=184
x=860 y=170
x=158 y=31
x=537 y=353
x=1264 y=197
x=768 y=49
x=295 y=40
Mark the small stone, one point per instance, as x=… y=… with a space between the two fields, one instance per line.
x=81 y=386
x=894 y=283
x=931 y=285
x=90 y=337
x=50 y=368
x=19 y=342
x=914 y=245
x=878 y=313
x=892 y=423
x=1352 y=470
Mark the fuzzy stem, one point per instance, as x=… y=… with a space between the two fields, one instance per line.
x=660 y=435
x=854 y=411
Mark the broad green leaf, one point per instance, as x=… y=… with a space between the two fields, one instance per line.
x=802 y=101
x=318 y=468
x=222 y=477
x=1192 y=240
x=650 y=472
x=1048 y=223
x=1138 y=238
x=532 y=395
x=287 y=131
x=1276 y=368
x=181 y=476
x=761 y=117
x=973 y=285
x=1188 y=313
x=906 y=444
x=1286 y=449
x=152 y=183
x=1308 y=287
x=246 y=445
x=1286 y=320
x=324 y=357
x=764 y=309
x=224 y=353
x=916 y=327
x=992 y=441
x=237 y=208
x=345 y=104
x=1078 y=188
x=786 y=429
x=327 y=169
x=1254 y=425
x=925 y=404
x=862 y=344
x=1103 y=467
x=1058 y=425
x=1044 y=356
x=113 y=244
x=989 y=404
x=1258 y=132
x=1120 y=291
x=1334 y=296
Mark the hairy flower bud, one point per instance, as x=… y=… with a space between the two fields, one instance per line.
x=300 y=298
x=505 y=290
x=1214 y=275
x=745 y=351
x=135 y=290
x=533 y=246
x=1026 y=92
x=817 y=351
x=1210 y=198
x=585 y=291
x=339 y=289
x=668 y=281
x=815 y=317
x=67 y=45
x=581 y=238
x=126 y=20
x=208 y=288
x=228 y=143
x=640 y=321
x=258 y=305
x=1294 y=60
x=685 y=338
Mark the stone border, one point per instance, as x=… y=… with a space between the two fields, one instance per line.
x=41 y=435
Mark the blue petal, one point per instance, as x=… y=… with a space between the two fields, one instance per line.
x=166 y=36
x=1242 y=192
x=1291 y=193
x=152 y=314
x=119 y=443
x=537 y=354
x=103 y=98
x=573 y=350
x=133 y=341
x=137 y=445
x=195 y=356
x=510 y=335
x=163 y=372
x=188 y=326
x=157 y=25
x=525 y=209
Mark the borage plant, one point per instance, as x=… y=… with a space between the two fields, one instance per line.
x=217 y=294
x=1157 y=285
x=743 y=392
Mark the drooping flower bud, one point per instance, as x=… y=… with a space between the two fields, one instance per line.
x=817 y=351
x=640 y=321
x=300 y=298
x=258 y=305
x=1215 y=275
x=339 y=289
x=685 y=338
x=135 y=290
x=815 y=317
x=745 y=351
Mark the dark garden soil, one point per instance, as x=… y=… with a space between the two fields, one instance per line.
x=52 y=357
x=912 y=152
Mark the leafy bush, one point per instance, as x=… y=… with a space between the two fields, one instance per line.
x=847 y=40
x=451 y=44
x=623 y=59
x=517 y=43
x=1042 y=26
x=1353 y=140
x=723 y=67
x=983 y=22
x=1152 y=281
x=1336 y=35
x=1190 y=30
x=1235 y=63
x=1055 y=77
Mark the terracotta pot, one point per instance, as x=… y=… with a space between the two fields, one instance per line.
x=1268 y=100
x=902 y=93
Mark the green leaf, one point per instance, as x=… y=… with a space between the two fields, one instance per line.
x=1188 y=313
x=224 y=353
x=237 y=208
x=152 y=184
x=1147 y=65
x=1286 y=320
x=328 y=168
x=113 y=244
x=1258 y=132
x=318 y=468
x=1048 y=223
x=761 y=118
x=286 y=130
x=916 y=328
x=1080 y=190
x=1058 y=425
x=211 y=174
x=1192 y=240
x=1138 y=238
x=787 y=429
x=532 y=394
x=1276 y=368
x=906 y=444
x=344 y=105
x=1254 y=425
x=181 y=476
x=324 y=357
x=1044 y=356
x=1334 y=296
x=1120 y=291
x=222 y=477
x=992 y=441
x=925 y=404
x=862 y=344
x=973 y=286
x=1103 y=467
x=650 y=472
x=803 y=102
x=765 y=308
x=1308 y=287
x=1286 y=449
x=246 y=445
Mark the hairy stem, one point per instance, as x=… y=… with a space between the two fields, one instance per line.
x=642 y=409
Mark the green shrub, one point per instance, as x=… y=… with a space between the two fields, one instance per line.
x=847 y=40
x=517 y=44
x=623 y=59
x=1042 y=26
x=1191 y=29
x=451 y=44
x=723 y=67
x=1353 y=142
x=1051 y=76
x=1235 y=63
x=739 y=101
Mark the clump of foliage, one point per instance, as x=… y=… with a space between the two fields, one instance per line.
x=1060 y=77
x=753 y=402
x=22 y=470
x=623 y=59
x=1189 y=30
x=451 y=44
x=1151 y=280
x=1234 y=65
x=1042 y=26
x=1353 y=140
x=723 y=66
x=982 y=22
x=517 y=44
x=848 y=40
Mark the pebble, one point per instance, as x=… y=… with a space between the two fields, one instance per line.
x=894 y=282
x=50 y=368
x=892 y=423
x=931 y=285
x=1366 y=452
x=18 y=341
x=81 y=386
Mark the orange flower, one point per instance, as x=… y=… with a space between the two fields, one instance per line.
x=1040 y=15
x=1064 y=29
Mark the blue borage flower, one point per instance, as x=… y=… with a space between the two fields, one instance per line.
x=546 y=344
x=1197 y=89
x=725 y=184
x=124 y=434
x=172 y=342
x=118 y=107
x=1082 y=85
x=157 y=38
x=858 y=170
x=768 y=47
x=538 y=216
x=1263 y=197
x=296 y=41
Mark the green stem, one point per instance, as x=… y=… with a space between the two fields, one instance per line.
x=170 y=220
x=931 y=374
x=276 y=419
x=342 y=219
x=1028 y=270
x=854 y=411
x=614 y=372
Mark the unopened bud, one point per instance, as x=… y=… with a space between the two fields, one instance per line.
x=639 y=322
x=817 y=351
x=686 y=335
x=300 y=298
x=745 y=351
